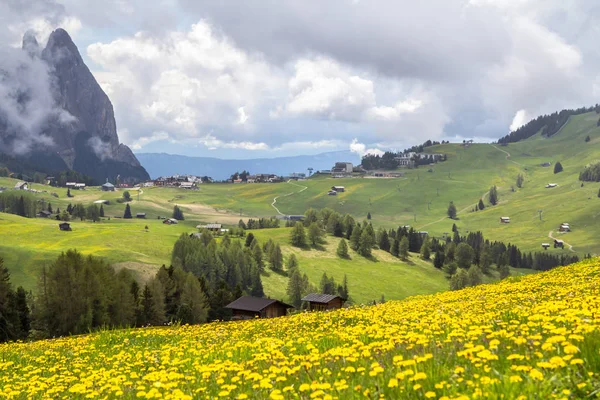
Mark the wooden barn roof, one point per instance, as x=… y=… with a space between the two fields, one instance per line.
x=255 y=304
x=320 y=298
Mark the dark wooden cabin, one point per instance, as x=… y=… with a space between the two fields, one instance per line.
x=247 y=307
x=65 y=226
x=322 y=302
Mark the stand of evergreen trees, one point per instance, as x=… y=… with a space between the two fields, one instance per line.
x=18 y=203
x=15 y=319
x=226 y=270
x=261 y=223
x=590 y=173
x=548 y=124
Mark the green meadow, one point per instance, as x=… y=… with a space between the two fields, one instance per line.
x=420 y=199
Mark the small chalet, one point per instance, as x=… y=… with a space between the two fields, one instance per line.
x=108 y=187
x=564 y=227
x=338 y=189
x=65 y=226
x=322 y=302
x=44 y=214
x=140 y=215
x=332 y=193
x=504 y=220
x=170 y=221
x=186 y=185
x=210 y=227
x=21 y=186
x=80 y=186
x=294 y=217
x=247 y=307
x=559 y=243
x=545 y=245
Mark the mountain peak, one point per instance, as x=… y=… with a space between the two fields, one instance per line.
x=30 y=43
x=61 y=49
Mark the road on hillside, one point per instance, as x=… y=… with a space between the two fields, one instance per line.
x=507 y=156
x=285 y=195
x=552 y=237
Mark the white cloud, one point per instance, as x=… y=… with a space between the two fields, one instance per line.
x=183 y=83
x=361 y=149
x=519 y=120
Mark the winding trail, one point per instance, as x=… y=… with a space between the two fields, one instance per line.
x=288 y=194
x=507 y=156
x=552 y=237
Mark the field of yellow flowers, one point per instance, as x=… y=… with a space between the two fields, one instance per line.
x=532 y=337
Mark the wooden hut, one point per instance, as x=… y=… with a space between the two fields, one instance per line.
x=322 y=302
x=65 y=226
x=247 y=307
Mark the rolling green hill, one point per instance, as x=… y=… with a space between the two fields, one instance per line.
x=420 y=199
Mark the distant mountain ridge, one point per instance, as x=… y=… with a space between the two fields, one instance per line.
x=81 y=134
x=162 y=164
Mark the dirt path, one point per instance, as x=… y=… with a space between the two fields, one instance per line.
x=507 y=156
x=288 y=194
x=552 y=237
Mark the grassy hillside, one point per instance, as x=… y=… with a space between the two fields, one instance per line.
x=419 y=199
x=533 y=337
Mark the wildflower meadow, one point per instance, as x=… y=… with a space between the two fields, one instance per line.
x=536 y=336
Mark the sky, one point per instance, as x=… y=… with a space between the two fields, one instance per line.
x=249 y=79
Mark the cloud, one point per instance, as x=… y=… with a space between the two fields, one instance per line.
x=361 y=149
x=184 y=83
x=519 y=120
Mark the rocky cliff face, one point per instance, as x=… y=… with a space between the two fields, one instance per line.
x=83 y=133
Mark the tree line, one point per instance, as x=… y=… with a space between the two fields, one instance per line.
x=261 y=223
x=590 y=173
x=78 y=293
x=548 y=124
x=13 y=202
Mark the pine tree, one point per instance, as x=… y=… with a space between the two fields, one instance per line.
x=481 y=205
x=438 y=259
x=355 y=238
x=315 y=234
x=292 y=262
x=504 y=271
x=520 y=181
x=459 y=280
x=395 y=250
x=474 y=276
x=558 y=167
x=366 y=243
x=50 y=208
x=127 y=214
x=101 y=210
x=69 y=192
x=276 y=258
x=257 y=255
x=342 y=249
x=384 y=241
x=451 y=210
x=294 y=289
x=426 y=249
x=177 y=214
x=403 y=250
x=249 y=239
x=369 y=215
x=464 y=255
x=80 y=211
x=493 y=195
x=257 y=287
x=298 y=235
x=126 y=196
